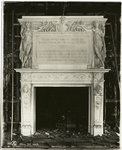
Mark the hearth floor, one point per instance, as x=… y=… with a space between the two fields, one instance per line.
x=84 y=142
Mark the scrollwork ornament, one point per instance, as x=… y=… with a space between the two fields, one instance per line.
x=77 y=26
x=46 y=26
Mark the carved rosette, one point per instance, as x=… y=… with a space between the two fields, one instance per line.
x=25 y=77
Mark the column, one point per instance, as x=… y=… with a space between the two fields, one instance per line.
x=26 y=104
x=98 y=103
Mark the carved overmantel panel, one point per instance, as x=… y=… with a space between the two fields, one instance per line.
x=82 y=36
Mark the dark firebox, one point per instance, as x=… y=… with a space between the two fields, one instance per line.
x=62 y=108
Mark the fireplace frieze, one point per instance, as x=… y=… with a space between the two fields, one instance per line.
x=62 y=76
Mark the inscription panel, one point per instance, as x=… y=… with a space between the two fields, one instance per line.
x=72 y=51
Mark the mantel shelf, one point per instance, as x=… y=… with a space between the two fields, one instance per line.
x=80 y=71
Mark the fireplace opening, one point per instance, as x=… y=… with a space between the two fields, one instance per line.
x=62 y=107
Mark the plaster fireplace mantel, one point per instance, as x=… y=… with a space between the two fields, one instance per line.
x=62 y=52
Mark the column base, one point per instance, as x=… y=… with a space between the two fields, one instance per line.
x=98 y=130
x=26 y=130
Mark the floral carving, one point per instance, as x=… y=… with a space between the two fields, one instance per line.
x=77 y=26
x=46 y=26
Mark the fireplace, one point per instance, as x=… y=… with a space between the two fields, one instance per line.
x=62 y=52
x=31 y=79
x=62 y=105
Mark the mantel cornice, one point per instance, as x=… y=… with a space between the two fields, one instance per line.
x=63 y=71
x=39 y=18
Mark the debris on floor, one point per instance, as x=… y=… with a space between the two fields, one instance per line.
x=55 y=138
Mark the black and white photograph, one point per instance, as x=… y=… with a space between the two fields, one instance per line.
x=61 y=63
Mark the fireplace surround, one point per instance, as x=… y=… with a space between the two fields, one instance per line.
x=62 y=52
x=94 y=79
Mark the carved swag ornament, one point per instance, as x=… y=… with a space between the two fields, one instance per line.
x=62 y=26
